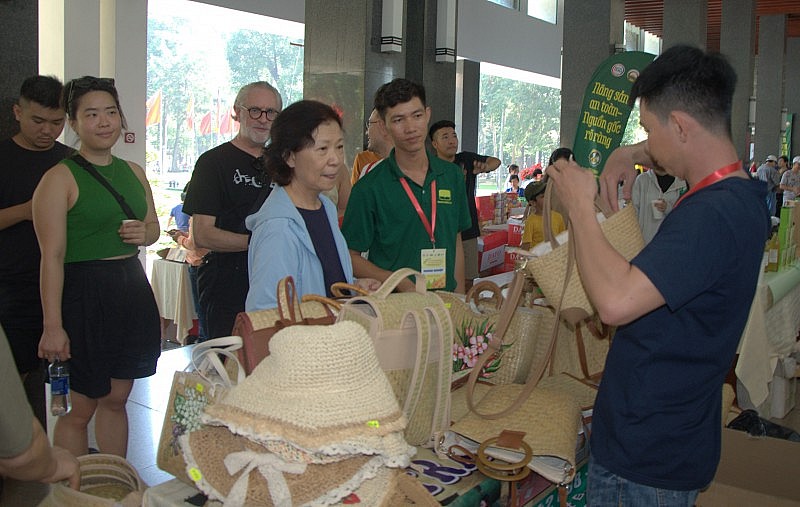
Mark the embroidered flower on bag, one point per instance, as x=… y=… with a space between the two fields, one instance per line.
x=471 y=340
x=187 y=414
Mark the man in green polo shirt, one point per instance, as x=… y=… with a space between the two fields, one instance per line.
x=409 y=210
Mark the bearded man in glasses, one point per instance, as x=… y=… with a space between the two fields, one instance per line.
x=227 y=183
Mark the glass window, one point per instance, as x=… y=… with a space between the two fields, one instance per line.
x=511 y=4
x=546 y=10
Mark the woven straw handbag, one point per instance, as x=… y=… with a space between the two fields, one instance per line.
x=556 y=273
x=203 y=383
x=550 y=420
x=517 y=328
x=412 y=333
x=106 y=481
x=256 y=328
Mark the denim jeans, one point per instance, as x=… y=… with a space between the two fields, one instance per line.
x=605 y=489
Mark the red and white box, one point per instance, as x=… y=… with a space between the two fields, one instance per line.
x=515 y=226
x=491 y=249
x=485 y=205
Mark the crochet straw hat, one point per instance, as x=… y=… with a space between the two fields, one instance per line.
x=322 y=389
x=239 y=471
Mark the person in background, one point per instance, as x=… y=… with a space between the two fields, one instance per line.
x=194 y=257
x=654 y=195
x=177 y=216
x=296 y=233
x=227 y=183
x=513 y=169
x=790 y=182
x=768 y=173
x=533 y=231
x=783 y=166
x=681 y=304
x=445 y=142
x=25 y=452
x=25 y=158
x=99 y=309
x=515 y=188
x=379 y=144
x=410 y=209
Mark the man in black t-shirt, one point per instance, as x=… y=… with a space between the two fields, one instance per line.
x=227 y=184
x=24 y=158
x=445 y=141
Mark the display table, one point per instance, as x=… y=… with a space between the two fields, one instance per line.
x=769 y=335
x=173 y=292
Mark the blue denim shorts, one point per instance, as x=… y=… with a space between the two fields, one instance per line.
x=605 y=489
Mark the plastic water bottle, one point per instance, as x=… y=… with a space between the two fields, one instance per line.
x=60 y=400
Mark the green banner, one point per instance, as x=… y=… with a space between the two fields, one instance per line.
x=605 y=110
x=786 y=139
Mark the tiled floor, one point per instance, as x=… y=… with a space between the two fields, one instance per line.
x=146 y=407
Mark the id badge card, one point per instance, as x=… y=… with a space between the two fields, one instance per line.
x=434 y=267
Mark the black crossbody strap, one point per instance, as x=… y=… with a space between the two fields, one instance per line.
x=119 y=198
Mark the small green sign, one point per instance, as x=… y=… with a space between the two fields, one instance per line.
x=605 y=110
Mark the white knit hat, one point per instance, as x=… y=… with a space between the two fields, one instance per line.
x=317 y=414
x=319 y=387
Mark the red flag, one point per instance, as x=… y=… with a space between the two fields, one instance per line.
x=153 y=116
x=190 y=113
x=205 y=124
x=225 y=122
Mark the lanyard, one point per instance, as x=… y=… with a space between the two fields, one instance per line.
x=430 y=227
x=711 y=178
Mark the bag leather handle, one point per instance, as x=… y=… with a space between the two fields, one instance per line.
x=338 y=290
x=474 y=293
x=391 y=283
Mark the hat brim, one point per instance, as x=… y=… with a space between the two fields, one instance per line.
x=205 y=451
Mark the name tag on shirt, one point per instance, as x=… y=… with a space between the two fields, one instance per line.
x=434 y=267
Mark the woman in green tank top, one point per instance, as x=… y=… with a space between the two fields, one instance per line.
x=99 y=311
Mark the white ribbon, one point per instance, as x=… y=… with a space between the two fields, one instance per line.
x=270 y=466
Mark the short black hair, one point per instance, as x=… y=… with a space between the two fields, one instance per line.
x=558 y=154
x=44 y=90
x=397 y=91
x=785 y=159
x=513 y=177
x=441 y=124
x=292 y=131
x=688 y=79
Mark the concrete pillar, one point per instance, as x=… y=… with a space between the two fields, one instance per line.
x=685 y=22
x=438 y=78
x=769 y=84
x=80 y=37
x=591 y=30
x=19 y=58
x=791 y=97
x=468 y=106
x=738 y=44
x=343 y=63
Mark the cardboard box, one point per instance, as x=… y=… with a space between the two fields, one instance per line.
x=754 y=472
x=485 y=205
x=515 y=227
x=491 y=249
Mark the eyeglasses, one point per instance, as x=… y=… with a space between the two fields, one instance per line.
x=256 y=113
x=370 y=123
x=89 y=83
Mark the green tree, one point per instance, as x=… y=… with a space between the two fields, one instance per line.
x=259 y=56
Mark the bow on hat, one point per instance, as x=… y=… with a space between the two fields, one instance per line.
x=270 y=466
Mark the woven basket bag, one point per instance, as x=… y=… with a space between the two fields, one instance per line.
x=473 y=329
x=106 y=480
x=556 y=273
x=412 y=333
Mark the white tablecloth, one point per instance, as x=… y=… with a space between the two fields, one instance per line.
x=173 y=293
x=769 y=335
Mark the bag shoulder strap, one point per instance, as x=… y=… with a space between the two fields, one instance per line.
x=78 y=159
